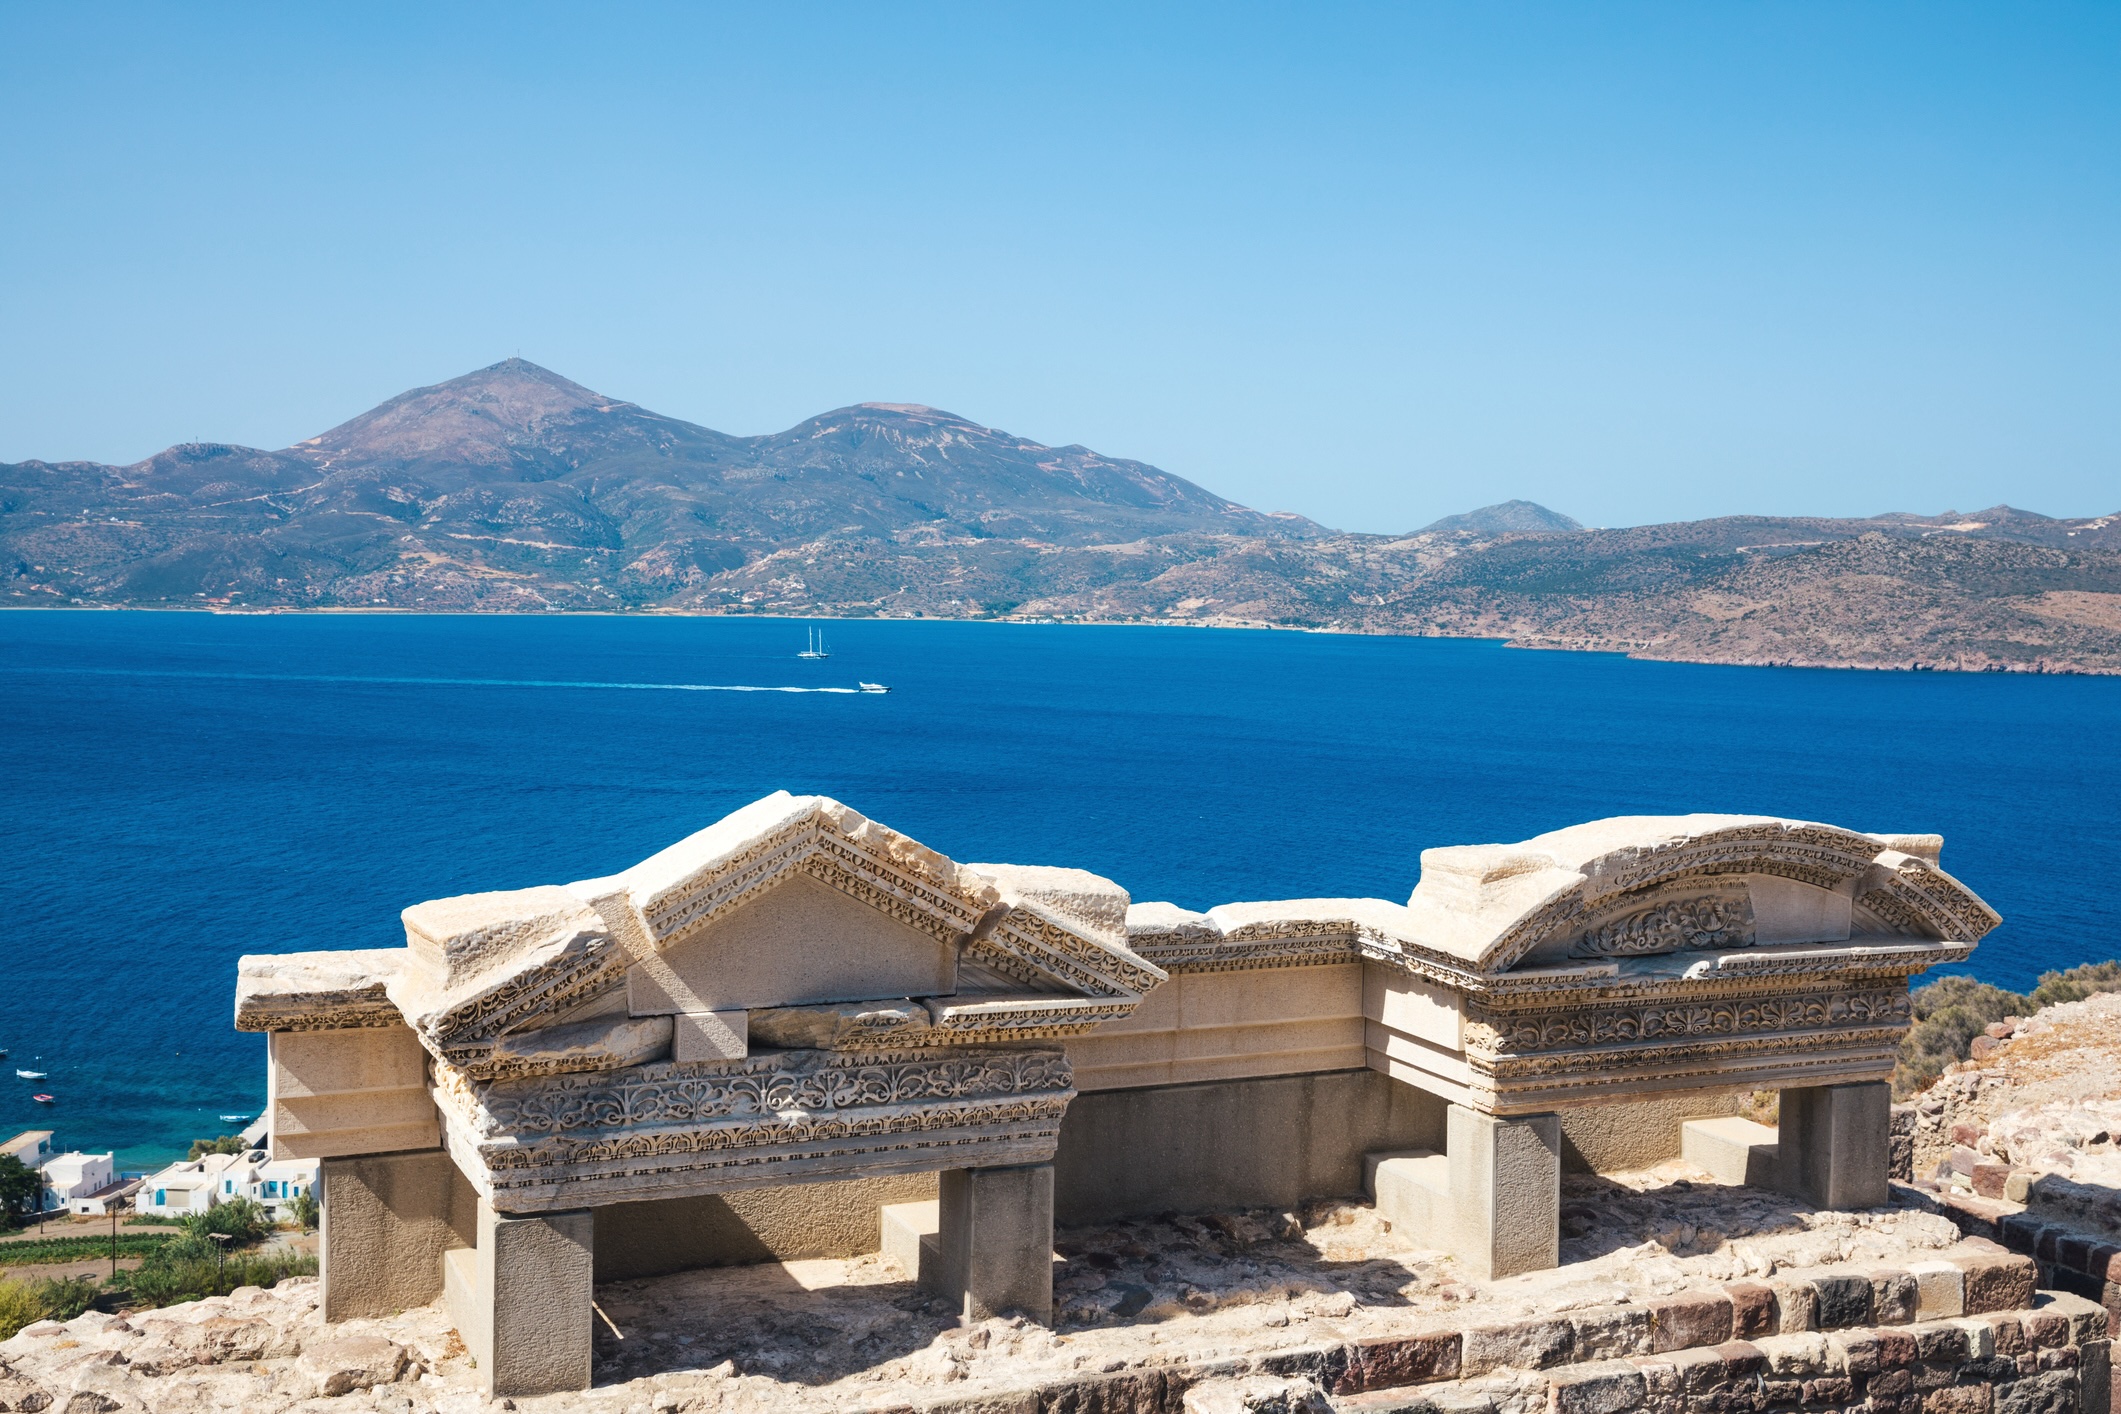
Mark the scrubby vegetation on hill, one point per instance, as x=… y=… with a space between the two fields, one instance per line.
x=1951 y=1011
x=184 y=1265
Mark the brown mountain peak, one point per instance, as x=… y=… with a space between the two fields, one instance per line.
x=490 y=412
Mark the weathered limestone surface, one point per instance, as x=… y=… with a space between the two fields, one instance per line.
x=1735 y=1150
x=754 y=1225
x=308 y=991
x=994 y=1242
x=352 y=1090
x=1231 y=1144
x=1222 y=1025
x=1636 y=1134
x=1832 y=1144
x=1505 y=1192
x=532 y=1299
x=387 y=1220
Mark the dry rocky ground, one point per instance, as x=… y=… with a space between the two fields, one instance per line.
x=832 y=1335
x=2035 y=1116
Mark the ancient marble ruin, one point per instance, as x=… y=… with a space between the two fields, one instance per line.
x=800 y=1033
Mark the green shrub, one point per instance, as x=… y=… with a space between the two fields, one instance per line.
x=240 y=1218
x=63 y=1298
x=305 y=1211
x=52 y=1299
x=226 y=1144
x=2077 y=983
x=1951 y=1011
x=21 y=1189
x=183 y=1271
x=18 y=1307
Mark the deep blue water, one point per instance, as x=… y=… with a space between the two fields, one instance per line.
x=178 y=789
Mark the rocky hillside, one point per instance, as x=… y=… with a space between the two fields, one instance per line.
x=513 y=489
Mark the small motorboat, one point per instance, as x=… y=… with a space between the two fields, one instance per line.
x=237 y=1119
x=870 y=686
x=33 y=1074
x=44 y=1099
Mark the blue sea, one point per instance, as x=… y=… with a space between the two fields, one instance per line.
x=178 y=789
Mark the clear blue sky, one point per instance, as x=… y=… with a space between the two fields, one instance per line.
x=1375 y=265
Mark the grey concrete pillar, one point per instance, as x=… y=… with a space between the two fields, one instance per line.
x=1834 y=1144
x=386 y=1221
x=527 y=1316
x=994 y=1241
x=1505 y=1186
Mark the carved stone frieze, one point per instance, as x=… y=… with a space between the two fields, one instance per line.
x=1493 y=1033
x=1915 y=897
x=771 y=1084
x=1874 y=959
x=316 y=991
x=1731 y=1060
x=1674 y=925
x=657 y=1128
x=1038 y=943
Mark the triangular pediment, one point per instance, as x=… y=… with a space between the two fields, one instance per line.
x=798 y=941
x=792 y=902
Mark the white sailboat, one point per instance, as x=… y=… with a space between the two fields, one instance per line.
x=816 y=648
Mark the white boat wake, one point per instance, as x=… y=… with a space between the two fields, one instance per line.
x=436 y=682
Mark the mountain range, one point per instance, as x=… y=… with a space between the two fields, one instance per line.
x=514 y=489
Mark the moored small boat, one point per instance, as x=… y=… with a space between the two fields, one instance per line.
x=33 y=1074
x=43 y=1099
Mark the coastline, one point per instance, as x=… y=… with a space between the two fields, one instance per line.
x=2035 y=668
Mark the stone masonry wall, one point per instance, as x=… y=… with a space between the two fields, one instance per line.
x=1971 y=1335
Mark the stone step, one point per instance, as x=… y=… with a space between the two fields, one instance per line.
x=1411 y=1188
x=1734 y=1150
x=909 y=1231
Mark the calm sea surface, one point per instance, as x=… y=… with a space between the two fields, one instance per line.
x=178 y=789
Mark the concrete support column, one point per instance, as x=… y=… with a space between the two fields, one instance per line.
x=994 y=1241
x=522 y=1302
x=1834 y=1144
x=387 y=1220
x=1505 y=1192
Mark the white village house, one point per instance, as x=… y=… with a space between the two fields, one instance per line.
x=31 y=1146
x=80 y=1183
x=196 y=1185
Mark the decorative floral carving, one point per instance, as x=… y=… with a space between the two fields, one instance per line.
x=1734 y=1061
x=1075 y=960
x=1273 y=945
x=1517 y=1033
x=765 y=1089
x=702 y=1128
x=363 y=1014
x=779 y=1133
x=1673 y=926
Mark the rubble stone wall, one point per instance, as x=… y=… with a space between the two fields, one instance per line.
x=1872 y=1343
